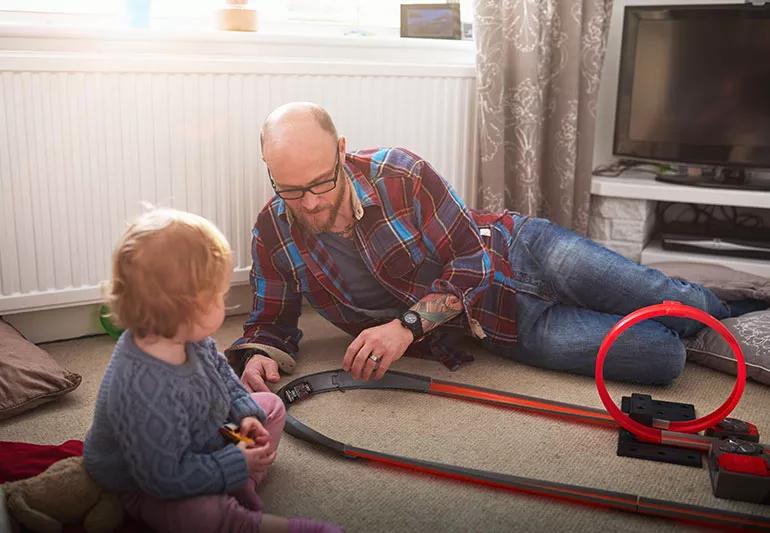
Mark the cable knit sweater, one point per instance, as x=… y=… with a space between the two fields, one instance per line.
x=155 y=426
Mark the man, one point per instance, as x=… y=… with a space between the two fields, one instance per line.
x=380 y=245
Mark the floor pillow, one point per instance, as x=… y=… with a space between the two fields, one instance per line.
x=29 y=376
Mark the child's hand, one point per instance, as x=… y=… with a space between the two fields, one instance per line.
x=252 y=428
x=258 y=458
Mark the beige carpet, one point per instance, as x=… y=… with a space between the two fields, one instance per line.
x=368 y=498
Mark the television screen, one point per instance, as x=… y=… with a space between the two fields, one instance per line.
x=694 y=85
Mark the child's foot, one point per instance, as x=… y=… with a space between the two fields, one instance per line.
x=306 y=525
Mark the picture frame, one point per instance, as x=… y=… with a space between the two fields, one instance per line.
x=431 y=21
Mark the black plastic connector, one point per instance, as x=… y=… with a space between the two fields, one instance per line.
x=298 y=392
x=644 y=409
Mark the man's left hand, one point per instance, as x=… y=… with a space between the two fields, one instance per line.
x=387 y=343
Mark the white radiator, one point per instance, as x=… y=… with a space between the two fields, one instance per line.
x=84 y=141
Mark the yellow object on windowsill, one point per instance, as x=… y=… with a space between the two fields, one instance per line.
x=237 y=16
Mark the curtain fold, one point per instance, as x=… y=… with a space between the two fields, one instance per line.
x=538 y=66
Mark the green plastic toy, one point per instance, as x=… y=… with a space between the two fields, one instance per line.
x=104 y=319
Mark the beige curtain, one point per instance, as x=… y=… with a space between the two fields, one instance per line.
x=538 y=65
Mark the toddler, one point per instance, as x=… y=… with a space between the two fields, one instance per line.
x=166 y=392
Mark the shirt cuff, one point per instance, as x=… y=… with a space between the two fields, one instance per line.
x=236 y=354
x=246 y=406
x=444 y=286
x=235 y=471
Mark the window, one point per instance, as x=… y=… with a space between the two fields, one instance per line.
x=104 y=7
x=351 y=14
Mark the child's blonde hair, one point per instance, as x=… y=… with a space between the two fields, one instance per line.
x=167 y=264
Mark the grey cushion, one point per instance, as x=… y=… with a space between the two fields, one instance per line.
x=752 y=331
x=28 y=375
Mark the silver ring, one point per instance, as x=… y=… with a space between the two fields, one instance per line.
x=375 y=358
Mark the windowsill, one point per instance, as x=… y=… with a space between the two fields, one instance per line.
x=330 y=35
x=211 y=42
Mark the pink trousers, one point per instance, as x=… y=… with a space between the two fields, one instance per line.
x=239 y=512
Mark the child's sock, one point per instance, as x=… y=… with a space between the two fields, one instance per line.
x=306 y=525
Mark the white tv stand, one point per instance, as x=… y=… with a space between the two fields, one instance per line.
x=642 y=187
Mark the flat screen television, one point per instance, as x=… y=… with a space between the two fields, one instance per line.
x=694 y=88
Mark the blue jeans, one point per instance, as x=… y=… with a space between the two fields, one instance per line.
x=572 y=291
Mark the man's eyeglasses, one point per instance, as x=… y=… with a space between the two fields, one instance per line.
x=317 y=188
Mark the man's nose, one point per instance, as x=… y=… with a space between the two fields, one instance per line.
x=309 y=201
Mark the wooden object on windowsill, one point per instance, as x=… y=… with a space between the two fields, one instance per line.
x=237 y=16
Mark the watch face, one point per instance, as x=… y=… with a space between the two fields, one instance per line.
x=410 y=318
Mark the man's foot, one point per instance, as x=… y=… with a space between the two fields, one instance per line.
x=306 y=525
x=741 y=307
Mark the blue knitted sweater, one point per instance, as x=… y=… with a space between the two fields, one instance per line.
x=155 y=426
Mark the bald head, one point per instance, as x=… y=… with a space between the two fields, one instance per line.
x=300 y=146
x=301 y=150
x=296 y=123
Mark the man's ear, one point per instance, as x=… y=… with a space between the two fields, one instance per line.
x=342 y=143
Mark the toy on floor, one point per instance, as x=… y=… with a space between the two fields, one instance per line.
x=231 y=432
x=739 y=469
x=106 y=322
x=64 y=494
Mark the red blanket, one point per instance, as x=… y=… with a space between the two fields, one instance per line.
x=19 y=460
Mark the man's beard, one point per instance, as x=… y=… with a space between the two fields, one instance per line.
x=308 y=221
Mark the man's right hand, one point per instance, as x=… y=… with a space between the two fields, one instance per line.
x=259 y=369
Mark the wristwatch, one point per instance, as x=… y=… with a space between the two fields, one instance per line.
x=411 y=320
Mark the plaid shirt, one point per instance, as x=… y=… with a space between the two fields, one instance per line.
x=415 y=236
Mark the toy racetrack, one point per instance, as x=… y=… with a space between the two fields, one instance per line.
x=739 y=466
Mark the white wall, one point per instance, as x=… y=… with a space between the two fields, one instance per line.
x=72 y=131
x=605 y=109
x=94 y=122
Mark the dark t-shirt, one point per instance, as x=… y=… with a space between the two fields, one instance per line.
x=364 y=288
